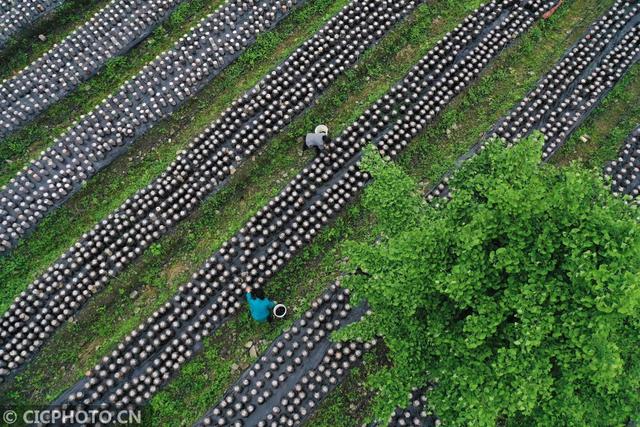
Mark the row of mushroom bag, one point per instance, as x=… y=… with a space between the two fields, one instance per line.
x=105 y=133
x=110 y=32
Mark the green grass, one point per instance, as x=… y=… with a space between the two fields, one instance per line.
x=158 y=273
x=18 y=148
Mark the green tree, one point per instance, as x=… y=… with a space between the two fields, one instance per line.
x=519 y=299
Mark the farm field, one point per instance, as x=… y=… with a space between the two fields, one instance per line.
x=153 y=169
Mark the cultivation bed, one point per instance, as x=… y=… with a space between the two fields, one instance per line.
x=624 y=172
x=112 y=31
x=16 y=15
x=110 y=128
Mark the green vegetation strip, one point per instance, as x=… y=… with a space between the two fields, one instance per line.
x=17 y=149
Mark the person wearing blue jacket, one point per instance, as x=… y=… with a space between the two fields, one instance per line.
x=259 y=305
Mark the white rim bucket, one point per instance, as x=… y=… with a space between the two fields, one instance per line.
x=279 y=311
x=322 y=129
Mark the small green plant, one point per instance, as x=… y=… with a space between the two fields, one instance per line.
x=155 y=249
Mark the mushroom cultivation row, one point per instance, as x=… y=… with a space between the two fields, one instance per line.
x=154 y=351
x=154 y=93
x=16 y=15
x=617 y=21
x=574 y=87
x=625 y=170
x=112 y=31
x=124 y=234
x=285 y=385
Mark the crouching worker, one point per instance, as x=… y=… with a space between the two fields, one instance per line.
x=319 y=139
x=259 y=305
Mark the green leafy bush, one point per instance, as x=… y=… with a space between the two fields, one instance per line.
x=519 y=299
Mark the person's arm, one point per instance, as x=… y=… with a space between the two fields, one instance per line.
x=271 y=305
x=248 y=295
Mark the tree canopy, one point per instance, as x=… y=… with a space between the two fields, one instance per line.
x=518 y=300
